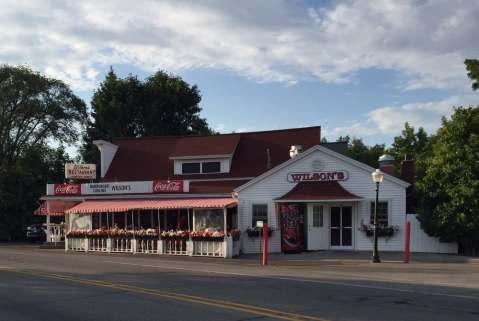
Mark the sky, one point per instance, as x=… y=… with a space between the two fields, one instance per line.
x=355 y=67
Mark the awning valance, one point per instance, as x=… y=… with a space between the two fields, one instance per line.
x=318 y=191
x=97 y=206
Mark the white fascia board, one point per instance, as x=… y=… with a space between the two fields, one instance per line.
x=327 y=151
x=319 y=202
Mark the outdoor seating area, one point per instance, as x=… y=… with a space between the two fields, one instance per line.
x=199 y=232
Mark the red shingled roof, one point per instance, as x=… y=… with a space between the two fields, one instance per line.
x=149 y=157
x=318 y=191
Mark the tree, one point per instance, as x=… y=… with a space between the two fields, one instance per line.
x=163 y=104
x=361 y=152
x=34 y=112
x=472 y=67
x=413 y=144
x=449 y=202
x=35 y=109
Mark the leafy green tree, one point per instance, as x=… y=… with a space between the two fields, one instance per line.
x=449 y=190
x=34 y=111
x=361 y=152
x=472 y=67
x=163 y=104
x=413 y=144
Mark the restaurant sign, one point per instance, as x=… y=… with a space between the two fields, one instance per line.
x=80 y=171
x=317 y=176
x=116 y=188
x=66 y=189
x=168 y=186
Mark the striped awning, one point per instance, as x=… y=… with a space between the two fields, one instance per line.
x=97 y=206
x=53 y=208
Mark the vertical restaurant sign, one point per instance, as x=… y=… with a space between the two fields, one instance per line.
x=317 y=176
x=80 y=171
x=168 y=186
x=66 y=189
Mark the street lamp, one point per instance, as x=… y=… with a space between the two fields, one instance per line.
x=377 y=176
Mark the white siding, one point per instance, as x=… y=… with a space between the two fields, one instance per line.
x=421 y=242
x=359 y=183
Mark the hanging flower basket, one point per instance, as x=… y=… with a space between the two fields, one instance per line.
x=257 y=232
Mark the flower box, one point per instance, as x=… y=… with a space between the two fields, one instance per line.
x=383 y=231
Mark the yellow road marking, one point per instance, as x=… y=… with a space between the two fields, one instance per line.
x=277 y=314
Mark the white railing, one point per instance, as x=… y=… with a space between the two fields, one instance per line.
x=76 y=244
x=98 y=244
x=121 y=245
x=225 y=248
x=147 y=246
x=175 y=247
x=209 y=248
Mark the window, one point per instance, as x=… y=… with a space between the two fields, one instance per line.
x=317 y=216
x=190 y=168
x=211 y=167
x=260 y=213
x=382 y=213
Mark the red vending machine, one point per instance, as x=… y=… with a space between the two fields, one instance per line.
x=292 y=227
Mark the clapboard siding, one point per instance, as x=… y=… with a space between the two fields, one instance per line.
x=359 y=183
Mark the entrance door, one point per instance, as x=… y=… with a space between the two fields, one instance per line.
x=318 y=238
x=341 y=227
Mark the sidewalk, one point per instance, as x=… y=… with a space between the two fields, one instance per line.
x=360 y=257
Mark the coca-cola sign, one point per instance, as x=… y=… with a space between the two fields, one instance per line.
x=317 y=176
x=168 y=186
x=67 y=189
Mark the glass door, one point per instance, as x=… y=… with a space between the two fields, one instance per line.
x=341 y=227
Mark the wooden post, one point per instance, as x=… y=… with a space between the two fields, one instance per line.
x=194 y=220
x=132 y=220
x=48 y=228
x=139 y=221
x=188 y=213
x=158 y=216
x=126 y=220
x=151 y=219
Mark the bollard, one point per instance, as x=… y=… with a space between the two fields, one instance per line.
x=265 y=244
x=407 y=245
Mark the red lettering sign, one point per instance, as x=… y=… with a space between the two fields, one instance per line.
x=317 y=176
x=67 y=189
x=168 y=186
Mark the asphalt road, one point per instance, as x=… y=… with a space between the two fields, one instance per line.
x=51 y=285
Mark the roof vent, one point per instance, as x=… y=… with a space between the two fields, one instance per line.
x=295 y=150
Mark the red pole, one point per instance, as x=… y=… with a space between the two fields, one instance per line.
x=407 y=250
x=265 y=244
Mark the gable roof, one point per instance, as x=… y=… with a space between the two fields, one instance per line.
x=149 y=157
x=327 y=151
x=318 y=191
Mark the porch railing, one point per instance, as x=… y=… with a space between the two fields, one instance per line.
x=226 y=248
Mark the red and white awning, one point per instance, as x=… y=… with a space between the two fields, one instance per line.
x=54 y=208
x=97 y=206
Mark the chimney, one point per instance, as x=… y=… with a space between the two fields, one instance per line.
x=386 y=164
x=407 y=174
x=407 y=170
x=268 y=159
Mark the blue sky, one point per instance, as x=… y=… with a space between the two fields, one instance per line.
x=361 y=68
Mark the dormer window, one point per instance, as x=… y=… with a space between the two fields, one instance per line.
x=191 y=168
x=200 y=167
x=211 y=167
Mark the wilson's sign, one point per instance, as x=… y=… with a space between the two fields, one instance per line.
x=317 y=176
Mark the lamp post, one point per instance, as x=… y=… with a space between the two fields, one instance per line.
x=377 y=177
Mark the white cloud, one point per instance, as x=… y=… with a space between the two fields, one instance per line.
x=389 y=121
x=266 y=40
